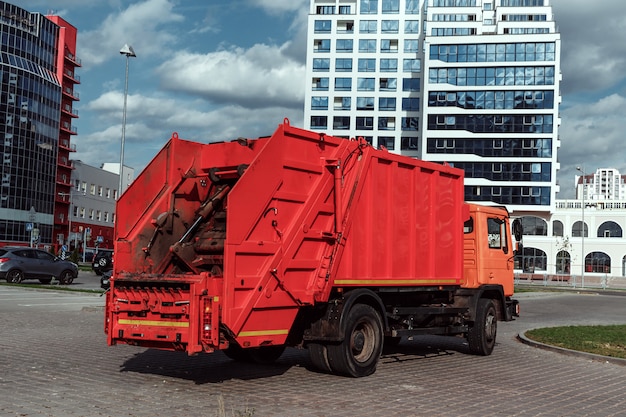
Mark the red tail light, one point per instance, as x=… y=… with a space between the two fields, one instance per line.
x=2 y=260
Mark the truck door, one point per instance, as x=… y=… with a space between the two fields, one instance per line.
x=497 y=269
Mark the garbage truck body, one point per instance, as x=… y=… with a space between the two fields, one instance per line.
x=304 y=240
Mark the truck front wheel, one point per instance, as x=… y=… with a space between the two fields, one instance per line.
x=362 y=346
x=482 y=334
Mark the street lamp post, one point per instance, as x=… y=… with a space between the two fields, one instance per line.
x=128 y=51
x=582 y=233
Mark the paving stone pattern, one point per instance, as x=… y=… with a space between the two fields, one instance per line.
x=59 y=365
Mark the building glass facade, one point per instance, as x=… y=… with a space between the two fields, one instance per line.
x=474 y=83
x=30 y=121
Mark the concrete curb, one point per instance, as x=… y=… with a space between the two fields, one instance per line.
x=590 y=356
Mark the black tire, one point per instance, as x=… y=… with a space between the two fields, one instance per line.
x=481 y=336
x=15 y=276
x=362 y=346
x=45 y=281
x=319 y=356
x=66 y=278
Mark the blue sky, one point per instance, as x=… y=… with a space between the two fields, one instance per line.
x=216 y=70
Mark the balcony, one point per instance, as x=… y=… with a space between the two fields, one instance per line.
x=67 y=127
x=65 y=144
x=69 y=110
x=68 y=91
x=71 y=75
x=72 y=58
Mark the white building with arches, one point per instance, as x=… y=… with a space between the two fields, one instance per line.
x=557 y=243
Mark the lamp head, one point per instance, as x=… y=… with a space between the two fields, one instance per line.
x=128 y=51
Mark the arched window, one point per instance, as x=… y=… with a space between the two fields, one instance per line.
x=557 y=228
x=577 y=229
x=534 y=226
x=598 y=262
x=563 y=262
x=609 y=229
x=533 y=260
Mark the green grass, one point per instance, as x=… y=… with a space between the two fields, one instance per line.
x=51 y=287
x=601 y=340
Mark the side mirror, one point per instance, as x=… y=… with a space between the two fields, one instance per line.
x=517 y=229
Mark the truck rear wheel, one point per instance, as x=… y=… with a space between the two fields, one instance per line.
x=362 y=346
x=319 y=356
x=482 y=334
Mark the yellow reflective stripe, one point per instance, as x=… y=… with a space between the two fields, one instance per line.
x=154 y=323
x=263 y=333
x=394 y=281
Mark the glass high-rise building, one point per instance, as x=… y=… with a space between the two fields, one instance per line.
x=473 y=83
x=37 y=63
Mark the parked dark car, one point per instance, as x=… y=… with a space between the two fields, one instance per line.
x=18 y=263
x=102 y=262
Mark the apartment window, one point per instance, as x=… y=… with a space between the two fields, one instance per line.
x=365 y=84
x=367 y=45
x=388 y=84
x=410 y=84
x=106 y=216
x=99 y=215
x=389 y=45
x=388 y=65
x=412 y=6
x=343 y=65
x=319 y=122
x=389 y=26
x=369 y=6
x=411 y=45
x=386 y=123
x=411 y=26
x=344 y=9
x=321 y=45
x=367 y=65
x=325 y=9
x=345 y=26
x=387 y=142
x=368 y=26
x=82 y=212
x=341 y=122
x=365 y=103
x=92 y=189
x=343 y=84
x=411 y=65
x=342 y=103
x=321 y=64
x=91 y=212
x=100 y=191
x=410 y=123
x=408 y=143
x=320 y=84
x=344 y=45
x=391 y=6
x=410 y=104
x=319 y=103
x=365 y=123
x=323 y=26
x=387 y=103
x=108 y=193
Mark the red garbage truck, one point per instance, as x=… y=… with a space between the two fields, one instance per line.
x=306 y=240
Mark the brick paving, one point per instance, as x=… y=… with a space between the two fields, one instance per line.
x=58 y=365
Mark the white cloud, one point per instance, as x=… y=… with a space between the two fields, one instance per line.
x=139 y=25
x=591 y=136
x=593 y=48
x=281 y=6
x=262 y=76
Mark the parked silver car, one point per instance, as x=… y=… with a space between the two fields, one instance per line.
x=18 y=263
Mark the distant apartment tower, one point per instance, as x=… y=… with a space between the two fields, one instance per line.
x=474 y=83
x=37 y=77
x=606 y=184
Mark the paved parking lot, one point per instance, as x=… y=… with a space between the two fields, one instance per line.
x=55 y=362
